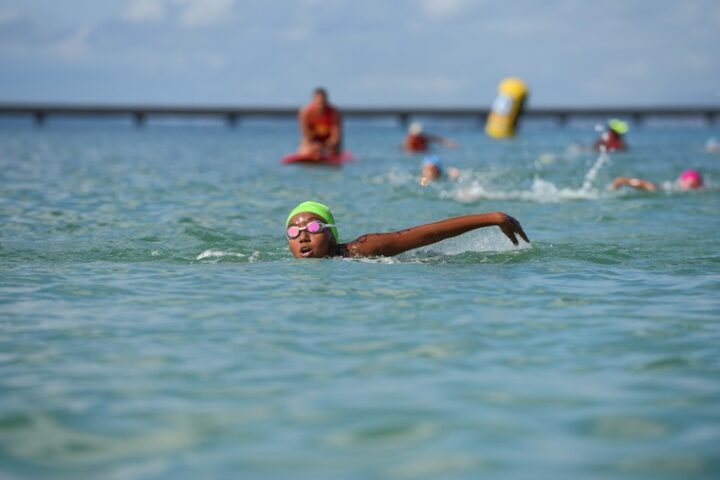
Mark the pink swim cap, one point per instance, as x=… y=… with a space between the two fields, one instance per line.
x=690 y=179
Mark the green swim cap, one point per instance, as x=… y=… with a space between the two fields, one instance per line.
x=318 y=209
x=618 y=126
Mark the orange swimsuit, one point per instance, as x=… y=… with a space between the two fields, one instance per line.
x=321 y=124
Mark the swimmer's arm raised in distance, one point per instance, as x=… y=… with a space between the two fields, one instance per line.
x=638 y=183
x=394 y=243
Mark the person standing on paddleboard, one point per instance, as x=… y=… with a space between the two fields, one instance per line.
x=320 y=127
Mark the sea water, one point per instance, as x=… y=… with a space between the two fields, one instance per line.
x=153 y=323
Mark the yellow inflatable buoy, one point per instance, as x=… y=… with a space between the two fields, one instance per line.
x=507 y=108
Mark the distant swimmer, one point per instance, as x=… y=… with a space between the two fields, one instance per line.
x=688 y=180
x=712 y=145
x=320 y=127
x=612 y=139
x=417 y=141
x=432 y=169
x=312 y=233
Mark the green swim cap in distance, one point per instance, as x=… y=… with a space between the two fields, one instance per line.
x=318 y=209
x=618 y=126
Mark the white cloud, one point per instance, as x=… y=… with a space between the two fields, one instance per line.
x=144 y=10
x=295 y=34
x=520 y=27
x=200 y=13
x=215 y=61
x=699 y=61
x=427 y=85
x=7 y=16
x=73 y=47
x=443 y=8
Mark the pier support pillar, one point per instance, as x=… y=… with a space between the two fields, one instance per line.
x=39 y=118
x=231 y=119
x=139 y=118
x=404 y=118
x=710 y=118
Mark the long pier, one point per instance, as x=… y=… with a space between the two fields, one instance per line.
x=233 y=115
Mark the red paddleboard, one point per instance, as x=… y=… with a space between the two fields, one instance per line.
x=331 y=160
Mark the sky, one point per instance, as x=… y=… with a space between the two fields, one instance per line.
x=443 y=53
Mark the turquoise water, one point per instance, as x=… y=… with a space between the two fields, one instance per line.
x=154 y=325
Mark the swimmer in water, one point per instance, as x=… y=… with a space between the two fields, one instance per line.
x=432 y=170
x=712 y=145
x=611 y=139
x=417 y=141
x=311 y=233
x=688 y=180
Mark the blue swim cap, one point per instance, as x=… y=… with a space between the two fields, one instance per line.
x=432 y=160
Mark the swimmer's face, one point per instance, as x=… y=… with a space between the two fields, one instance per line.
x=310 y=245
x=320 y=99
x=430 y=171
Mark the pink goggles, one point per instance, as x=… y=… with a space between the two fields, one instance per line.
x=312 y=227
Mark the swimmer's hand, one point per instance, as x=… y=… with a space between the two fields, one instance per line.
x=511 y=228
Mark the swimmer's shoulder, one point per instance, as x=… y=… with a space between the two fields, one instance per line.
x=351 y=249
x=342 y=250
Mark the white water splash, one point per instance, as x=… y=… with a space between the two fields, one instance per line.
x=485 y=240
x=395 y=177
x=382 y=260
x=542 y=191
x=592 y=173
x=218 y=254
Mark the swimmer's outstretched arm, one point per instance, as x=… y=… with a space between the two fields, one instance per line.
x=638 y=183
x=393 y=243
x=445 y=142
